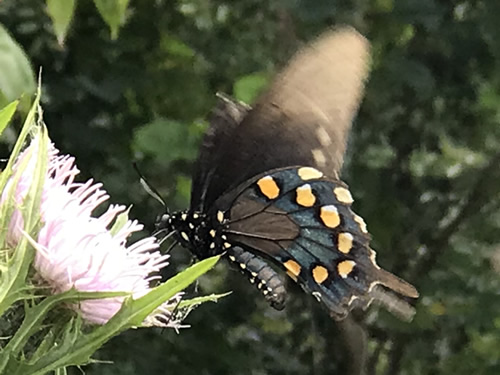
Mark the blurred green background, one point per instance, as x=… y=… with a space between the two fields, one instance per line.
x=126 y=81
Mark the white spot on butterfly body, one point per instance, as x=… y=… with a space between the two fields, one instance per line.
x=220 y=216
x=185 y=236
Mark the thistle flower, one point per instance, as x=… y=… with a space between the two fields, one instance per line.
x=77 y=250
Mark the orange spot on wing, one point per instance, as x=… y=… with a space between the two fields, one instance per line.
x=269 y=187
x=345 y=267
x=345 y=242
x=305 y=196
x=320 y=274
x=293 y=268
x=330 y=216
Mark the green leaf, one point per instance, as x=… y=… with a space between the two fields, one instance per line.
x=147 y=304
x=167 y=140
x=61 y=12
x=176 y=47
x=34 y=318
x=199 y=300
x=6 y=114
x=384 y=5
x=183 y=186
x=132 y=314
x=28 y=126
x=113 y=13
x=16 y=75
x=248 y=87
x=13 y=281
x=61 y=371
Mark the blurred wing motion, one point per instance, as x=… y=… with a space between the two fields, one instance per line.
x=304 y=118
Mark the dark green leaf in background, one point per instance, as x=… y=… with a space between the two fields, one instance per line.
x=61 y=12
x=166 y=140
x=248 y=87
x=114 y=13
x=6 y=114
x=16 y=77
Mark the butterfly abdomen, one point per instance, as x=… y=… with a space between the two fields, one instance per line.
x=265 y=278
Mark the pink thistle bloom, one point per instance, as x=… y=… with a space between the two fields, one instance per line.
x=76 y=250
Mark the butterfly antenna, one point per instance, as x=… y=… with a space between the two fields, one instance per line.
x=174 y=244
x=156 y=233
x=151 y=190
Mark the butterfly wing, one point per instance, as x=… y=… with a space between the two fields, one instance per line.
x=303 y=222
x=303 y=119
x=224 y=121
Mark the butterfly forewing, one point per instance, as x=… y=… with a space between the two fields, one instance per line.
x=224 y=120
x=303 y=118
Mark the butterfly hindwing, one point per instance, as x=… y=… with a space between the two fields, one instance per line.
x=303 y=222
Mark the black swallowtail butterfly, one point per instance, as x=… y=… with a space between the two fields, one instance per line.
x=259 y=193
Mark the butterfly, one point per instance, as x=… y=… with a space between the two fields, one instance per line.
x=266 y=187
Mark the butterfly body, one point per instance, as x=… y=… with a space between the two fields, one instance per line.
x=205 y=237
x=266 y=185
